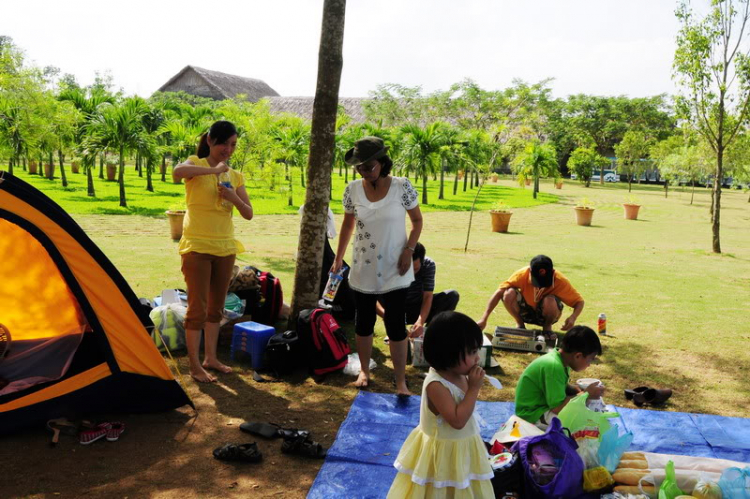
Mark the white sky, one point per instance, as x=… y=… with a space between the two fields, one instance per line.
x=601 y=47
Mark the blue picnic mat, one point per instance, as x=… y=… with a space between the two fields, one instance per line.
x=359 y=464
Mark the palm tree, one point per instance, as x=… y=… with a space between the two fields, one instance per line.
x=422 y=149
x=537 y=160
x=119 y=128
x=293 y=139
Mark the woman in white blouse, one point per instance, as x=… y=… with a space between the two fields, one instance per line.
x=375 y=208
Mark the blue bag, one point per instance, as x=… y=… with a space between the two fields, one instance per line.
x=735 y=483
x=612 y=446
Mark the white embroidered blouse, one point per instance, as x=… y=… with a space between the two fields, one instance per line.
x=379 y=236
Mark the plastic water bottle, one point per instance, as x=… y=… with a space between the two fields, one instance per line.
x=226 y=181
x=602 y=324
x=332 y=286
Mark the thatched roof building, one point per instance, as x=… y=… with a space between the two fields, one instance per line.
x=216 y=85
x=303 y=107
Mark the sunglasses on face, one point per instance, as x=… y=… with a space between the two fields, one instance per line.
x=367 y=168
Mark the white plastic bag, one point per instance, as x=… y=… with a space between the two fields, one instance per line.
x=353 y=367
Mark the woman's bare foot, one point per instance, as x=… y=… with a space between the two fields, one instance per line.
x=403 y=390
x=216 y=366
x=200 y=375
x=363 y=380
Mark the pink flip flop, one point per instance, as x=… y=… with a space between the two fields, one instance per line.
x=115 y=430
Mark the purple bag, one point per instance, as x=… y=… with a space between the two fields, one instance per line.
x=552 y=468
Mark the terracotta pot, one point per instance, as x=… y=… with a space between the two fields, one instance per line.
x=584 y=215
x=175 y=218
x=494 y=177
x=47 y=170
x=528 y=181
x=558 y=185
x=111 y=172
x=631 y=211
x=460 y=175
x=500 y=220
x=74 y=167
x=32 y=166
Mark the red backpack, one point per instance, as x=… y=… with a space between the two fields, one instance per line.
x=324 y=339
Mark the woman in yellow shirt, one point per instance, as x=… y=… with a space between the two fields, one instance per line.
x=208 y=246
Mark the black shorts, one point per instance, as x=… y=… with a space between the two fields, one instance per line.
x=532 y=315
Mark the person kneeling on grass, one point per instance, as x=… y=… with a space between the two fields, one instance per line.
x=422 y=304
x=543 y=389
x=535 y=295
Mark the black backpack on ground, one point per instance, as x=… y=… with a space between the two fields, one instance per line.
x=283 y=352
x=323 y=341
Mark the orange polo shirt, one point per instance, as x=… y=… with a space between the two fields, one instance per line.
x=561 y=287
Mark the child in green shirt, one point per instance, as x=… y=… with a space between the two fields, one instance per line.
x=543 y=389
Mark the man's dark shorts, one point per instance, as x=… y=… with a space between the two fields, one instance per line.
x=531 y=315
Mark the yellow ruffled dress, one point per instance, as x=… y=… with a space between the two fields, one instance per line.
x=438 y=461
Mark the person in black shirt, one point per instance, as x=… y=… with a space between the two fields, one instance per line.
x=422 y=304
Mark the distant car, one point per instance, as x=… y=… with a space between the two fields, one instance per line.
x=609 y=176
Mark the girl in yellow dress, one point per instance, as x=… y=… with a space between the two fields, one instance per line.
x=444 y=457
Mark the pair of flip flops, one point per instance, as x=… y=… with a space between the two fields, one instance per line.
x=642 y=395
x=295 y=441
x=246 y=453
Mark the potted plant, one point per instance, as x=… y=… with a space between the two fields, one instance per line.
x=584 y=212
x=32 y=167
x=460 y=174
x=75 y=166
x=495 y=176
x=500 y=215
x=558 y=182
x=111 y=160
x=631 y=205
x=176 y=216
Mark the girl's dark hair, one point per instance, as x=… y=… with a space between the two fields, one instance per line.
x=220 y=132
x=449 y=336
x=386 y=163
x=581 y=339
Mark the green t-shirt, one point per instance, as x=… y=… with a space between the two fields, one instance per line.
x=541 y=386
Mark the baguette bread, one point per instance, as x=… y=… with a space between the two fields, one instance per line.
x=633 y=456
x=628 y=476
x=640 y=464
x=649 y=490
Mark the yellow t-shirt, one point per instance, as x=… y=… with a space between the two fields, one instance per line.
x=208 y=226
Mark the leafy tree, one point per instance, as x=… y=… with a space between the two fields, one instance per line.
x=583 y=161
x=293 y=143
x=713 y=68
x=631 y=153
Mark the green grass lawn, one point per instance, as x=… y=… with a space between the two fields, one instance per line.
x=168 y=195
x=677 y=312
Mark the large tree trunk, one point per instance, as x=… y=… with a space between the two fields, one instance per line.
x=322 y=142
x=121 y=178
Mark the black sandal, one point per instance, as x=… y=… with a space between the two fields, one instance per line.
x=271 y=430
x=303 y=446
x=247 y=453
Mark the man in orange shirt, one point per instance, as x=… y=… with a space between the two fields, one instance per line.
x=535 y=295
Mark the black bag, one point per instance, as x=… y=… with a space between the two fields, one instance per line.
x=507 y=481
x=283 y=352
x=323 y=340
